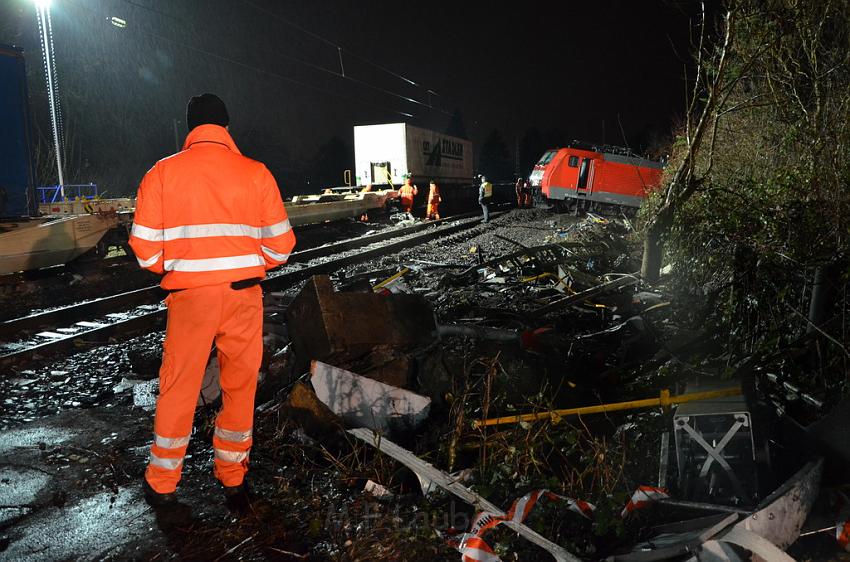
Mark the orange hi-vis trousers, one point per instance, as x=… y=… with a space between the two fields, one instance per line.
x=197 y=317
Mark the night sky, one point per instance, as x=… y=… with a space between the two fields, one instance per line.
x=594 y=71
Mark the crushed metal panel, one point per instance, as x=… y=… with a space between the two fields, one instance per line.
x=451 y=484
x=363 y=402
x=325 y=324
x=781 y=515
x=671 y=545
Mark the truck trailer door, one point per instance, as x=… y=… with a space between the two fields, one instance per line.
x=382 y=173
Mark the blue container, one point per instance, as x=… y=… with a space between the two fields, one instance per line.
x=17 y=182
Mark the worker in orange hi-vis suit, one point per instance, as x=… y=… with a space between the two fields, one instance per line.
x=211 y=222
x=406 y=194
x=519 y=195
x=434 y=200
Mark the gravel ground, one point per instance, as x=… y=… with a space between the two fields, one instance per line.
x=87 y=379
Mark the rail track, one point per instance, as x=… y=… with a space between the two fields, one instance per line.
x=87 y=324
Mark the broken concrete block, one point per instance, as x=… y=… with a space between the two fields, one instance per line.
x=362 y=402
x=211 y=385
x=380 y=492
x=385 y=364
x=304 y=407
x=326 y=325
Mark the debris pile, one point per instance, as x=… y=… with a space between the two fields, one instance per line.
x=528 y=360
x=517 y=394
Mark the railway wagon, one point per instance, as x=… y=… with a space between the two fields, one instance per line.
x=599 y=174
x=17 y=182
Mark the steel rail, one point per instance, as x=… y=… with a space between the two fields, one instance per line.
x=150 y=295
x=155 y=319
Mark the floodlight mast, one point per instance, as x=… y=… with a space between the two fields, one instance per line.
x=46 y=33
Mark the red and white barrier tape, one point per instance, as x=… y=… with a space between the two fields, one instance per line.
x=642 y=497
x=474 y=548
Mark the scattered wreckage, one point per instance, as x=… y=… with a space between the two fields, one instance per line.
x=376 y=347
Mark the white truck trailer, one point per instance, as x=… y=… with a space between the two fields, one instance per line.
x=386 y=153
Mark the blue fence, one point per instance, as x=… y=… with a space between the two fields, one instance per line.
x=53 y=193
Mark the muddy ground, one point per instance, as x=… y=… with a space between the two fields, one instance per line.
x=75 y=447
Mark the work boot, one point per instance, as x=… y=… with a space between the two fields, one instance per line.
x=170 y=513
x=157 y=500
x=238 y=498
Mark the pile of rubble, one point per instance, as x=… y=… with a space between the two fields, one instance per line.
x=516 y=393
x=477 y=368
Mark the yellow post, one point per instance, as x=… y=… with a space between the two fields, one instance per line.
x=664 y=399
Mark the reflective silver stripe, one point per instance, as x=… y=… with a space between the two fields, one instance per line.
x=149 y=262
x=168 y=464
x=170 y=442
x=274 y=255
x=231 y=456
x=276 y=229
x=235 y=436
x=208 y=230
x=215 y=264
x=146 y=233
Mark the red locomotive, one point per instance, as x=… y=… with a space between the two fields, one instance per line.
x=599 y=174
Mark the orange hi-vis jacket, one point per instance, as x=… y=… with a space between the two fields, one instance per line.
x=407 y=191
x=208 y=215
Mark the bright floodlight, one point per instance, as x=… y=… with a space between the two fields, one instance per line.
x=43 y=4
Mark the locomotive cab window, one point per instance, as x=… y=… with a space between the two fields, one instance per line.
x=573 y=162
x=546 y=158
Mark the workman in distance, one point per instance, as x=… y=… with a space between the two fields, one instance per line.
x=211 y=222
x=434 y=200
x=485 y=194
x=406 y=194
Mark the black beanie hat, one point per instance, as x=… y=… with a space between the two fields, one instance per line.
x=204 y=109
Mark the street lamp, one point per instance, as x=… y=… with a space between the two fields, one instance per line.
x=46 y=36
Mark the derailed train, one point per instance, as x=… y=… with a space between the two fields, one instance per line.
x=584 y=173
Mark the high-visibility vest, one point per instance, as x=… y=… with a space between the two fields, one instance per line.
x=208 y=215
x=407 y=191
x=488 y=189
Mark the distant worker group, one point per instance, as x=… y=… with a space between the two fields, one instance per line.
x=409 y=190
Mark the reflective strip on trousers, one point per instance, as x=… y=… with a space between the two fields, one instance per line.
x=215 y=264
x=149 y=262
x=231 y=456
x=233 y=436
x=166 y=463
x=170 y=442
x=209 y=230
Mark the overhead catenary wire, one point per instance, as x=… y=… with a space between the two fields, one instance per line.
x=329 y=42
x=252 y=67
x=340 y=50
